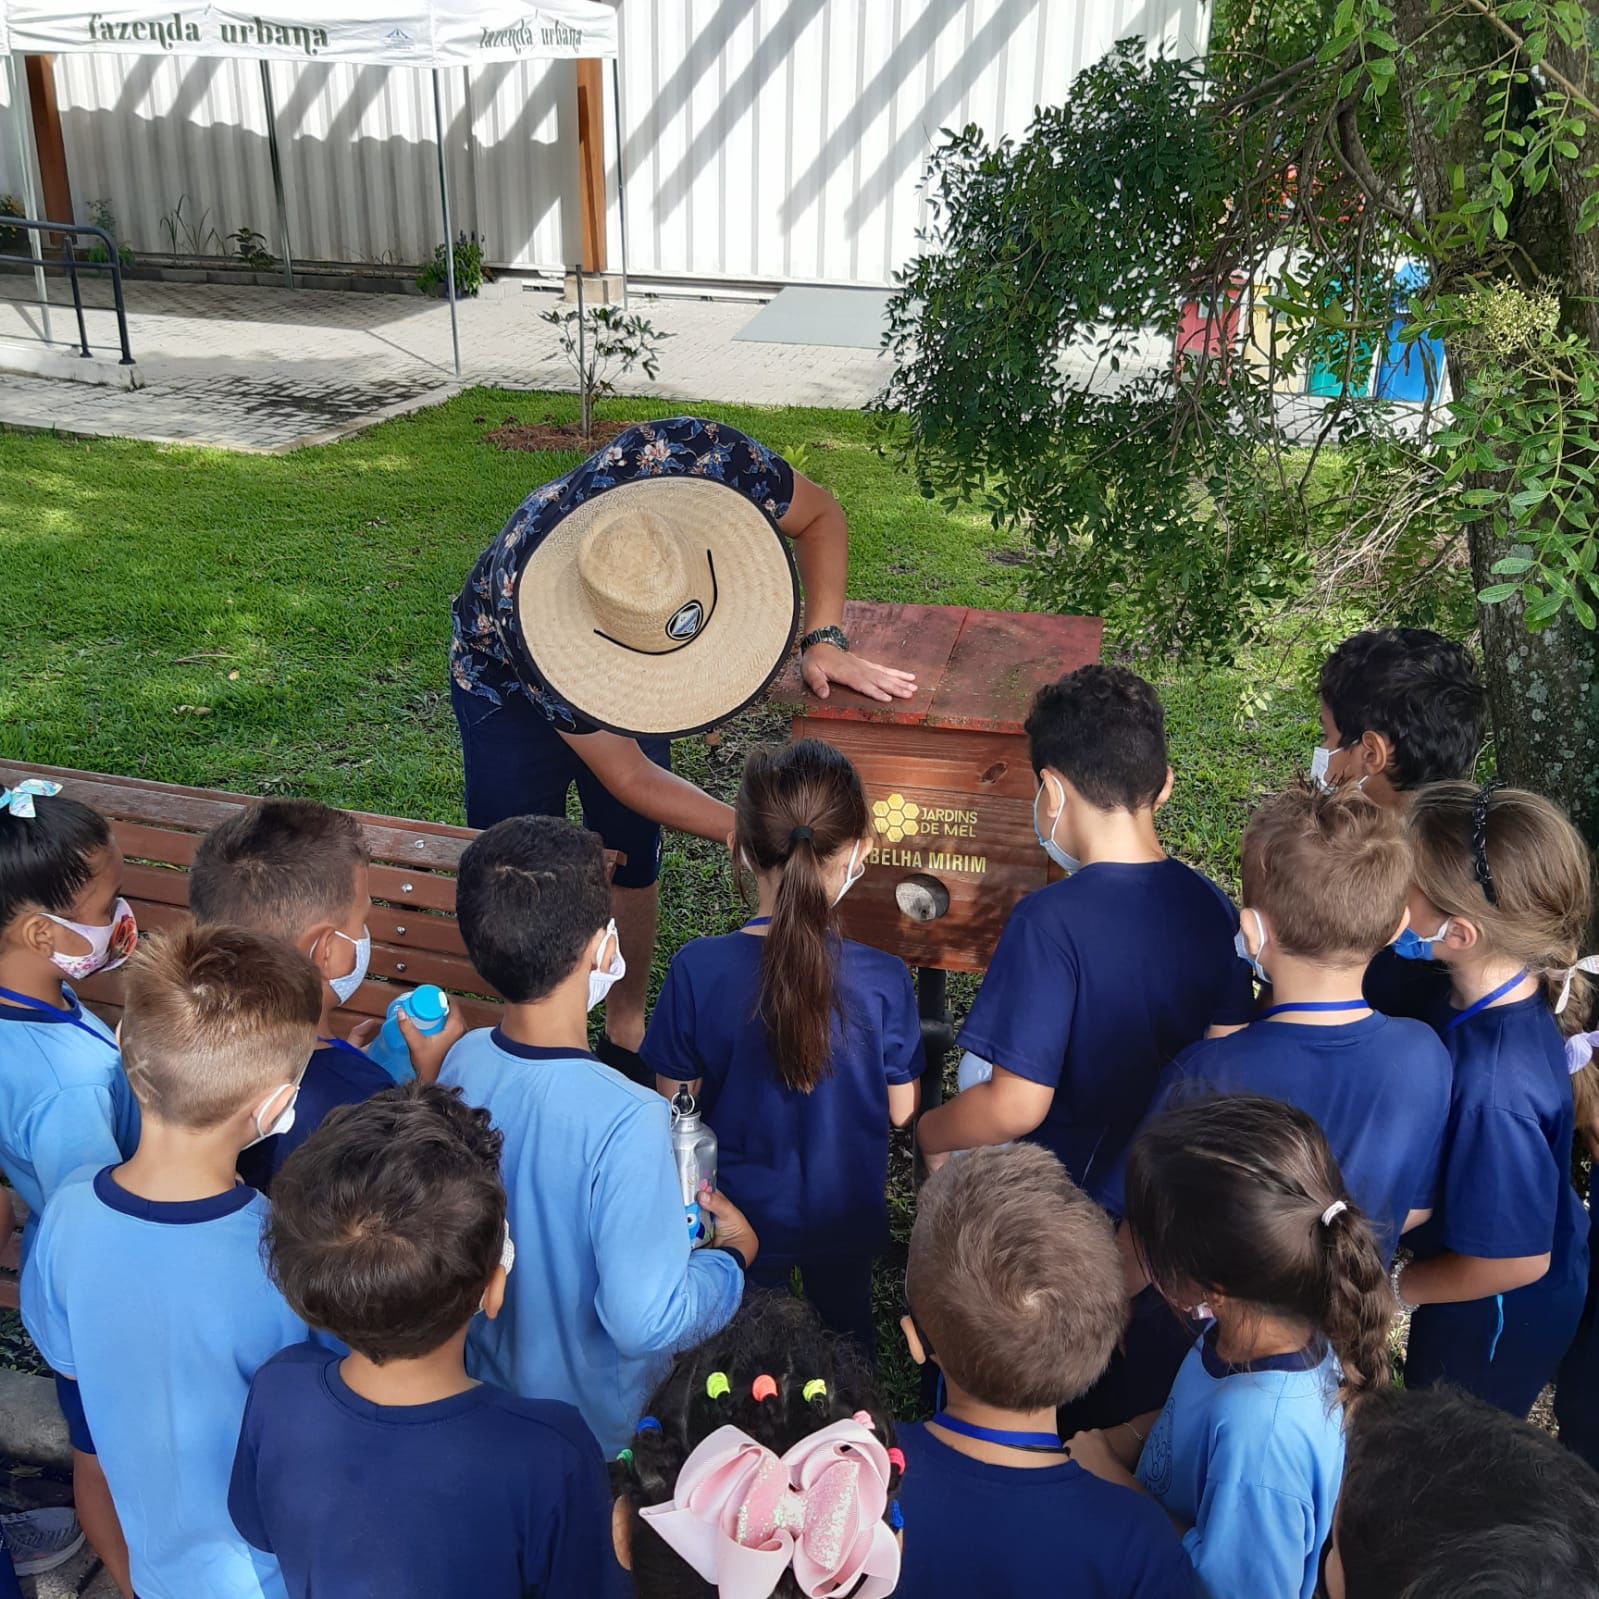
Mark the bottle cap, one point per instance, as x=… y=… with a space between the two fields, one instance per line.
x=428 y=1003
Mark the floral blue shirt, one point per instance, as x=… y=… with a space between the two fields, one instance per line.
x=484 y=652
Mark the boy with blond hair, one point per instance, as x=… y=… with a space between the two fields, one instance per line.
x=146 y=1284
x=1015 y=1291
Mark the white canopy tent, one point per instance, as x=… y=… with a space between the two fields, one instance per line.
x=430 y=34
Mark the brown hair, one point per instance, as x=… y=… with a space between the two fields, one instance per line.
x=1331 y=871
x=1540 y=875
x=280 y=867
x=1014 y=1278
x=1226 y=1195
x=216 y=1018
x=387 y=1222
x=799 y=804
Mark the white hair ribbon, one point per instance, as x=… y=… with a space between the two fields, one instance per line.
x=1589 y=964
x=1336 y=1208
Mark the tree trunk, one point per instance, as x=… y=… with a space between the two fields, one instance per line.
x=1543 y=688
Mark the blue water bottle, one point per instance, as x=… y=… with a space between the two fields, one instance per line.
x=429 y=1009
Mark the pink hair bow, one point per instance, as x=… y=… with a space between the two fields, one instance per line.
x=741 y=1516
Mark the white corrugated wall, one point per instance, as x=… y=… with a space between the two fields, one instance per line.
x=764 y=139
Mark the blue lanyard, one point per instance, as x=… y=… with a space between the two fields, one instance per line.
x=71 y=1020
x=759 y=921
x=1035 y=1441
x=1483 y=1003
x=1313 y=1004
x=345 y=1045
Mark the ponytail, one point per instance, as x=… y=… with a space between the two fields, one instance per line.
x=1359 y=1303
x=1240 y=1195
x=798 y=806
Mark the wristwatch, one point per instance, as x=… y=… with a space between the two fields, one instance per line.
x=825 y=635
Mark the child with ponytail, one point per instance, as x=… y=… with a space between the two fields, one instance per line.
x=800 y=1046
x=1501 y=900
x=1241 y=1216
x=765 y=1465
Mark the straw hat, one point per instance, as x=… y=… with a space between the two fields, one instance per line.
x=660 y=607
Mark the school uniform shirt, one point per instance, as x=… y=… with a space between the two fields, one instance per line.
x=1377 y=1087
x=162 y=1312
x=1251 y=1456
x=482 y=1493
x=65 y=1103
x=1096 y=983
x=1506 y=1193
x=605 y=1289
x=337 y=1074
x=1015 y=1532
x=1400 y=987
x=809 y=1170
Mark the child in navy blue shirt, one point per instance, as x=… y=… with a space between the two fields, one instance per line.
x=1015 y=1291
x=1400 y=708
x=146 y=1283
x=765 y=1464
x=1100 y=980
x=1326 y=877
x=1242 y=1218
x=608 y=1288
x=298 y=871
x=1501 y=899
x=388 y=1231
x=64 y=1098
x=800 y=1047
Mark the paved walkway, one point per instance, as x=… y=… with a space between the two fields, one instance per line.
x=270 y=369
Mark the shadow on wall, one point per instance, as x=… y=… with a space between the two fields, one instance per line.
x=359 y=184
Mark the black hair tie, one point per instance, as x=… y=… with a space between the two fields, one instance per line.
x=1479 y=840
x=800 y=835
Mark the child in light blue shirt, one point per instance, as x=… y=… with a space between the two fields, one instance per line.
x=1241 y=1217
x=146 y=1284
x=606 y=1287
x=64 y=1098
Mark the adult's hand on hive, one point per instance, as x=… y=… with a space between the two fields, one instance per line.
x=825 y=664
x=428 y=1050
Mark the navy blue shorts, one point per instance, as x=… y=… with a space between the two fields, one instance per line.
x=71 y=1403
x=518 y=765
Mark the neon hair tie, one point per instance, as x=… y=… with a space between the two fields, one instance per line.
x=647 y=1424
x=896 y=1457
x=764 y=1387
x=626 y=1457
x=716 y=1385
x=814 y=1389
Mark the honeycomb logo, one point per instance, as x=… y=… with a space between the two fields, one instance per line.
x=896 y=817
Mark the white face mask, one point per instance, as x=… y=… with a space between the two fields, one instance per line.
x=109 y=946
x=1067 y=863
x=344 y=987
x=851 y=875
x=284 y=1119
x=602 y=978
x=1319 y=757
x=507 y=1257
x=1243 y=948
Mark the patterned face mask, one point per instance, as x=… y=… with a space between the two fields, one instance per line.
x=109 y=946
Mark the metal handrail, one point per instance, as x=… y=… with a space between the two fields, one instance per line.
x=111 y=264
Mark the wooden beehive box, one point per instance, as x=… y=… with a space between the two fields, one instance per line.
x=947 y=773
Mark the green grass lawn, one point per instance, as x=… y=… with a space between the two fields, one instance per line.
x=279 y=625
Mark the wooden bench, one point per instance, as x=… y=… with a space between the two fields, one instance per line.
x=415 y=938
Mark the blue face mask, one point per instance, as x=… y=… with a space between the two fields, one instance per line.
x=1242 y=948
x=1067 y=863
x=1409 y=946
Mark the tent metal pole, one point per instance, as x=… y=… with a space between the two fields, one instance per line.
x=449 y=233
x=21 y=115
x=621 y=172
x=284 y=244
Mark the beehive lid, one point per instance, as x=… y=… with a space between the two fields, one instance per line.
x=977 y=670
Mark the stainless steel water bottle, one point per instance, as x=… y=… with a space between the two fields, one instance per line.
x=694 y=1150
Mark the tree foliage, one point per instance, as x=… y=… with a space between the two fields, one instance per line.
x=1195 y=507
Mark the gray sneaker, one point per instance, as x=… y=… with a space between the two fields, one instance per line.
x=41 y=1540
